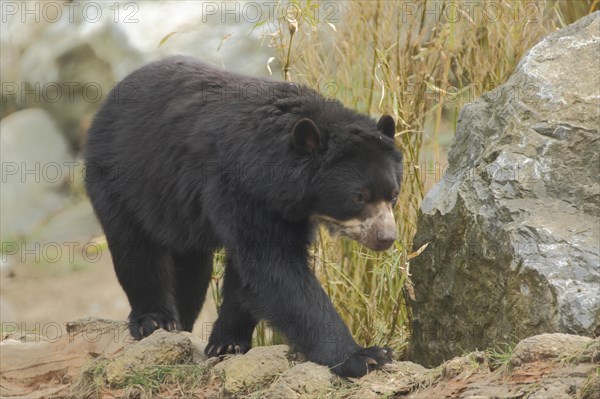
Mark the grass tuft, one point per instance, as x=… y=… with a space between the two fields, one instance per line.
x=498 y=357
x=180 y=380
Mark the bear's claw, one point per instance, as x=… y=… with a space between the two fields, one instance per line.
x=364 y=361
x=228 y=348
x=144 y=325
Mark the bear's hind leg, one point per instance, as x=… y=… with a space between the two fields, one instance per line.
x=145 y=271
x=232 y=333
x=192 y=274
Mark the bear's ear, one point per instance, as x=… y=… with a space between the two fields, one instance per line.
x=387 y=126
x=306 y=135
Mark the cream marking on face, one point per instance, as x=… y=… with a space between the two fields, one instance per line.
x=376 y=230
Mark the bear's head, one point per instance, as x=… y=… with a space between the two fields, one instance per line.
x=359 y=175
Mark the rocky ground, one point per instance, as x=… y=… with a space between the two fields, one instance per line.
x=97 y=358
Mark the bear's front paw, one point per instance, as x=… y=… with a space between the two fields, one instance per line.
x=227 y=347
x=363 y=361
x=143 y=325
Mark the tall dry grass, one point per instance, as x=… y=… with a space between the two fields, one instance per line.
x=419 y=61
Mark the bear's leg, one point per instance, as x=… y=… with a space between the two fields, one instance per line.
x=232 y=333
x=145 y=271
x=279 y=286
x=192 y=274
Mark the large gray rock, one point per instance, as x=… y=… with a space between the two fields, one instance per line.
x=35 y=167
x=513 y=226
x=74 y=223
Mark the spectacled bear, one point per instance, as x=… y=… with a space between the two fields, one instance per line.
x=184 y=158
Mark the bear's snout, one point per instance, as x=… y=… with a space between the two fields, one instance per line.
x=386 y=238
x=381 y=228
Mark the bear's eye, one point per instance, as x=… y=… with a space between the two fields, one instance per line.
x=394 y=199
x=359 y=198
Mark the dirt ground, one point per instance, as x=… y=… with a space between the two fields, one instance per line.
x=35 y=295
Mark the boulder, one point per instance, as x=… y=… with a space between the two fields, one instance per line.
x=35 y=166
x=39 y=213
x=74 y=223
x=513 y=226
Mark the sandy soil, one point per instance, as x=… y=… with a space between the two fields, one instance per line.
x=35 y=295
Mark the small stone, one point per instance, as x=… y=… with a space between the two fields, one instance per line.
x=257 y=367
x=546 y=346
x=455 y=367
x=301 y=381
x=198 y=347
x=160 y=348
x=394 y=378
